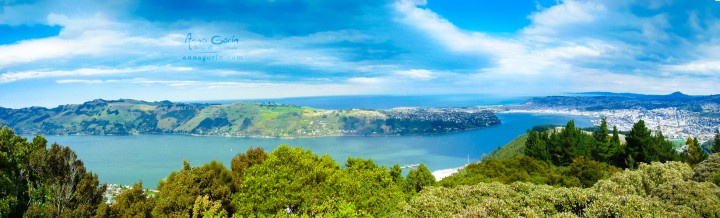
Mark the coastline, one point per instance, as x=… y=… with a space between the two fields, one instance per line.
x=265 y=137
x=441 y=174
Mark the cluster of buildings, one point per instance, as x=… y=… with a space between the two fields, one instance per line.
x=456 y=115
x=673 y=122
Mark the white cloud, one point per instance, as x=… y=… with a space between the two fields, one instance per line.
x=174 y=83
x=703 y=67
x=84 y=81
x=568 y=41
x=24 y=75
x=570 y=12
x=521 y=56
x=450 y=35
x=367 y=80
x=416 y=74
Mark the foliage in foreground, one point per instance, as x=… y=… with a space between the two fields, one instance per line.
x=37 y=181
x=583 y=172
x=40 y=181
x=653 y=190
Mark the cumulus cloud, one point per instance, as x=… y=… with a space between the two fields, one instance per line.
x=576 y=38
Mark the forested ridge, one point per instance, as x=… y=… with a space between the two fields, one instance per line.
x=564 y=172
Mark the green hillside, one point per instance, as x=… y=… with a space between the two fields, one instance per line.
x=123 y=117
x=510 y=150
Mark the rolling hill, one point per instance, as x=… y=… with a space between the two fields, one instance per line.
x=126 y=116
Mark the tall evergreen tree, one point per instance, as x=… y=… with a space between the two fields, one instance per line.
x=602 y=142
x=396 y=174
x=716 y=146
x=536 y=146
x=662 y=149
x=639 y=141
x=693 y=154
x=617 y=152
x=615 y=140
x=602 y=134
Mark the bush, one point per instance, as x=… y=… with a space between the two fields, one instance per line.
x=645 y=179
x=708 y=169
x=523 y=169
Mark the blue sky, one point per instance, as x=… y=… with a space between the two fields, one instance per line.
x=60 y=52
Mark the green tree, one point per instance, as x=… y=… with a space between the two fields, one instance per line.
x=603 y=148
x=290 y=178
x=396 y=174
x=536 y=146
x=569 y=143
x=179 y=191
x=132 y=202
x=716 y=145
x=251 y=157
x=639 y=141
x=62 y=187
x=662 y=149
x=617 y=151
x=419 y=178
x=369 y=188
x=693 y=154
x=204 y=207
x=15 y=152
x=243 y=161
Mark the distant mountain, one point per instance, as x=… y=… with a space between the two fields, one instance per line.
x=674 y=95
x=593 y=101
x=127 y=116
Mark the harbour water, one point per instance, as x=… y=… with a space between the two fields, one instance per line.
x=150 y=158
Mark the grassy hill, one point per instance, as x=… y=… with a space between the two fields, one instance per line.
x=125 y=116
x=510 y=150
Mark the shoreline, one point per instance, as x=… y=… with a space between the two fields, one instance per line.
x=441 y=174
x=265 y=137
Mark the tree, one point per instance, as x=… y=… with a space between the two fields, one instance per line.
x=368 y=188
x=180 y=190
x=536 y=146
x=693 y=154
x=602 y=150
x=133 y=203
x=40 y=181
x=639 y=141
x=15 y=152
x=289 y=178
x=242 y=161
x=617 y=152
x=418 y=178
x=396 y=174
x=204 y=207
x=251 y=157
x=662 y=149
x=716 y=145
x=615 y=140
x=62 y=186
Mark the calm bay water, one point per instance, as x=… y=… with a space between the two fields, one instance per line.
x=128 y=159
